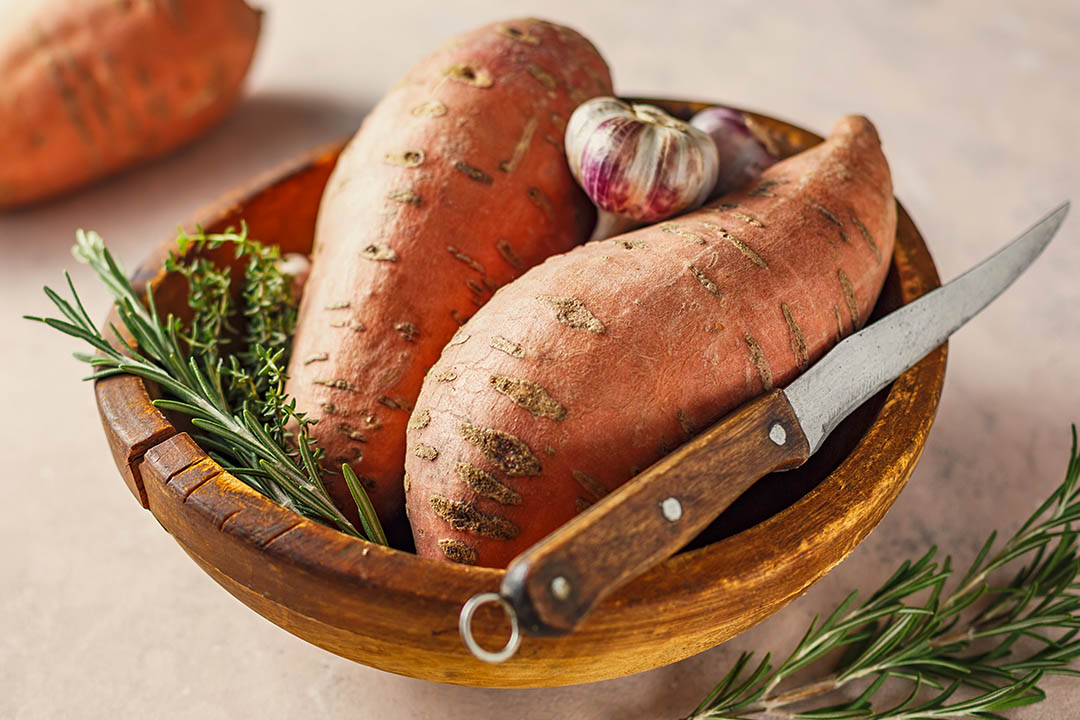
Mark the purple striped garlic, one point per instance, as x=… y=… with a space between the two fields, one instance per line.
x=743 y=156
x=637 y=163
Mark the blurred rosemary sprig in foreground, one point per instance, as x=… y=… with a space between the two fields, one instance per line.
x=240 y=407
x=974 y=651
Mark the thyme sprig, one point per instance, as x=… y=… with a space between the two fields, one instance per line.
x=248 y=437
x=211 y=327
x=267 y=309
x=266 y=312
x=992 y=641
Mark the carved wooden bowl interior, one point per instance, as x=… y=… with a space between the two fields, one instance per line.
x=395 y=611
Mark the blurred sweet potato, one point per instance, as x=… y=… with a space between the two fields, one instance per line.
x=94 y=86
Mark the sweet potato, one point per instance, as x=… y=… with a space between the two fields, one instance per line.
x=88 y=88
x=596 y=363
x=455 y=184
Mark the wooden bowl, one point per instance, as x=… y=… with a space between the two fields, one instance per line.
x=398 y=612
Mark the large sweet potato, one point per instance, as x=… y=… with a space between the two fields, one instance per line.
x=599 y=361
x=455 y=184
x=93 y=86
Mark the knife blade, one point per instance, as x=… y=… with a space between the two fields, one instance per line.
x=552 y=586
x=863 y=363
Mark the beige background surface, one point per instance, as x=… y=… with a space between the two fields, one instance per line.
x=102 y=615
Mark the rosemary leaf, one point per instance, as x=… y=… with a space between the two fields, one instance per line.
x=364 y=503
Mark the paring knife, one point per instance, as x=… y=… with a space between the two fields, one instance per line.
x=552 y=586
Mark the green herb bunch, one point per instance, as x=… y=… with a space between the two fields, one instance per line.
x=266 y=315
x=236 y=400
x=974 y=651
x=267 y=311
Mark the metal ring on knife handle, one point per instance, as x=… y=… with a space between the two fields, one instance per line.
x=465 y=628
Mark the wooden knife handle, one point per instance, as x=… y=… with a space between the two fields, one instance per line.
x=556 y=582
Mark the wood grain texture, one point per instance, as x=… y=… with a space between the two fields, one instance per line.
x=651 y=517
x=395 y=611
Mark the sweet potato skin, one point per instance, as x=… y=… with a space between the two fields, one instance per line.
x=91 y=87
x=454 y=185
x=627 y=347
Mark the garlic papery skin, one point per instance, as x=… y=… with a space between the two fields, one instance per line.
x=743 y=155
x=637 y=163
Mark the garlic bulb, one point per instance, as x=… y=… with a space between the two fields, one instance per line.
x=637 y=163
x=743 y=156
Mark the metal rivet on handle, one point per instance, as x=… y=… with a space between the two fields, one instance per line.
x=672 y=509
x=560 y=588
x=778 y=434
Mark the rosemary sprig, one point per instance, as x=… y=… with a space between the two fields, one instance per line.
x=969 y=639
x=197 y=387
